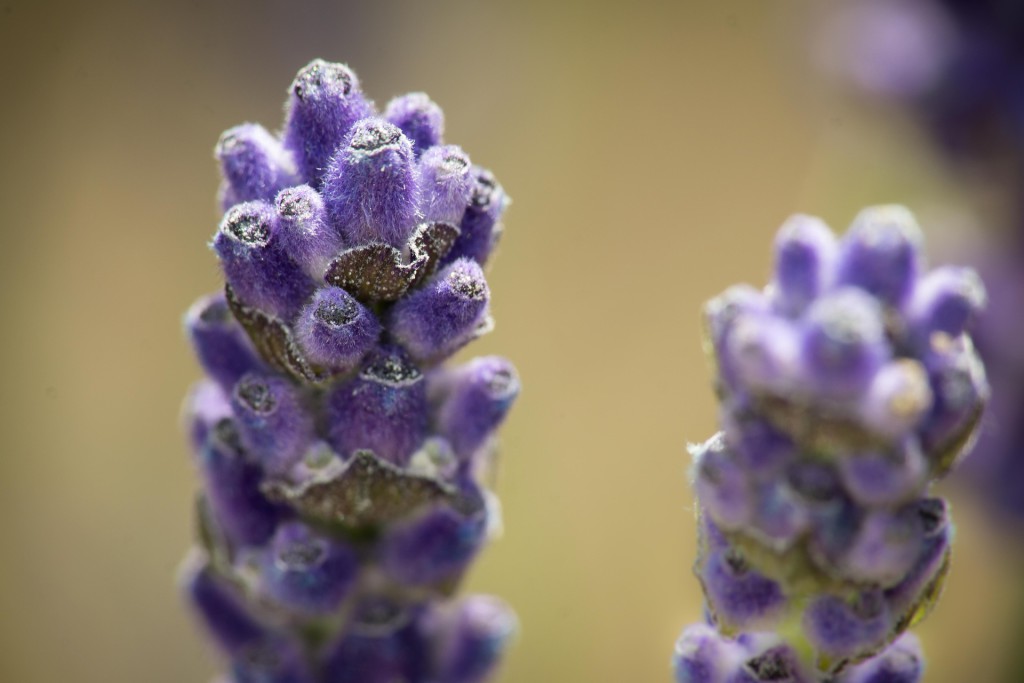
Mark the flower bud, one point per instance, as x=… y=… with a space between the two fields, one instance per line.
x=433 y=547
x=272 y=423
x=479 y=396
x=896 y=400
x=324 y=102
x=945 y=300
x=220 y=607
x=885 y=478
x=371 y=188
x=305 y=232
x=901 y=662
x=476 y=632
x=703 y=656
x=722 y=485
x=839 y=629
x=306 y=572
x=419 y=118
x=433 y=322
x=881 y=253
x=335 y=330
x=739 y=596
x=253 y=163
x=479 y=227
x=220 y=343
x=383 y=409
x=255 y=263
x=805 y=256
x=447 y=182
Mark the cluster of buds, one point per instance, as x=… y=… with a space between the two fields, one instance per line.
x=847 y=386
x=343 y=465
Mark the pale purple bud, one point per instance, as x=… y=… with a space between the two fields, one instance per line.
x=447 y=184
x=480 y=227
x=738 y=595
x=840 y=629
x=885 y=478
x=805 y=257
x=254 y=164
x=722 y=484
x=885 y=547
x=764 y=353
x=305 y=232
x=420 y=119
x=945 y=300
x=901 y=662
x=896 y=400
x=881 y=253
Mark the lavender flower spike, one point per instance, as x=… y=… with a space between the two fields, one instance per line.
x=847 y=386
x=342 y=462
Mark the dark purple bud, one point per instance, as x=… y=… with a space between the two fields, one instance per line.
x=372 y=186
x=738 y=595
x=901 y=662
x=253 y=163
x=479 y=228
x=273 y=660
x=220 y=606
x=206 y=405
x=885 y=478
x=885 y=548
x=762 y=353
x=433 y=322
x=232 y=485
x=723 y=486
x=433 y=547
x=844 y=342
x=383 y=409
x=945 y=300
x=255 y=263
x=306 y=572
x=274 y=426
x=324 y=102
x=447 y=183
x=224 y=351
x=960 y=390
x=380 y=647
x=805 y=256
x=702 y=655
x=305 y=232
x=839 y=629
x=897 y=399
x=480 y=394
x=881 y=253
x=335 y=330
x=420 y=119
x=476 y=633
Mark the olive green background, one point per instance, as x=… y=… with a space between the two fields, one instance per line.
x=651 y=150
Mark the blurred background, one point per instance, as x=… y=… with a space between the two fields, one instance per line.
x=651 y=150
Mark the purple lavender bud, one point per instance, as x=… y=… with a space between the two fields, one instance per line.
x=420 y=119
x=760 y=448
x=205 y=406
x=722 y=485
x=305 y=232
x=960 y=392
x=777 y=663
x=274 y=660
x=335 y=330
x=372 y=187
x=220 y=607
x=780 y=518
x=844 y=342
x=805 y=257
x=840 y=629
x=881 y=253
x=479 y=227
x=897 y=399
x=433 y=322
x=720 y=316
x=232 y=486
x=380 y=647
x=272 y=422
x=223 y=350
x=324 y=102
x=945 y=300
x=480 y=395
x=738 y=595
x=885 y=478
x=919 y=589
x=383 y=409
x=447 y=181
x=703 y=656
x=477 y=634
x=885 y=548
x=901 y=662
x=762 y=352
x=433 y=547
x=255 y=262
x=253 y=163
x=306 y=572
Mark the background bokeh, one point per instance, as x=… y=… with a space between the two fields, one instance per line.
x=651 y=150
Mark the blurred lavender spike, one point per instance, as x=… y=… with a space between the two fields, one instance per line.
x=342 y=463
x=847 y=386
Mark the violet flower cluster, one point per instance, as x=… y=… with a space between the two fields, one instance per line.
x=957 y=66
x=847 y=386
x=343 y=465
